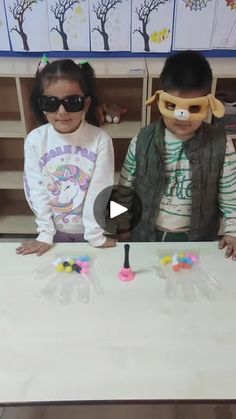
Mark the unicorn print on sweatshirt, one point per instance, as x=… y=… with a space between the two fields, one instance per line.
x=68 y=188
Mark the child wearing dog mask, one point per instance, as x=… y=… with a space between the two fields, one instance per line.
x=182 y=169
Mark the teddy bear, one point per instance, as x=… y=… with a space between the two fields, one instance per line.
x=114 y=112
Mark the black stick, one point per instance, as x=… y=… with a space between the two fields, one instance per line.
x=126 y=262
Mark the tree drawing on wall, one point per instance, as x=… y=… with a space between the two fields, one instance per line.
x=59 y=10
x=18 y=10
x=196 y=4
x=144 y=11
x=101 y=10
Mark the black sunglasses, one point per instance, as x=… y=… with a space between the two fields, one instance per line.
x=73 y=103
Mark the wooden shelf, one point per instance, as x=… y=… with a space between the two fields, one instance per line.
x=154 y=67
x=11 y=165
x=12 y=129
x=17 y=224
x=18 y=67
x=15 y=214
x=125 y=129
x=9 y=116
x=223 y=67
x=104 y=68
x=119 y=67
x=11 y=180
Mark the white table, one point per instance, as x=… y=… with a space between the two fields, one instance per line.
x=131 y=343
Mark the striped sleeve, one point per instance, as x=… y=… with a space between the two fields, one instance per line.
x=227 y=190
x=124 y=193
x=128 y=171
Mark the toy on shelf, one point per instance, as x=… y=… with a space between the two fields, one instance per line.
x=114 y=112
x=126 y=273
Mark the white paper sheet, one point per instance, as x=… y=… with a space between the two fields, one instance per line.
x=4 y=39
x=225 y=25
x=69 y=25
x=110 y=25
x=194 y=20
x=33 y=35
x=152 y=25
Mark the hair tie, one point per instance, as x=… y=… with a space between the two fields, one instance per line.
x=82 y=62
x=44 y=61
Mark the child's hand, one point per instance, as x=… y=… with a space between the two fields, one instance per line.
x=108 y=243
x=230 y=243
x=33 y=246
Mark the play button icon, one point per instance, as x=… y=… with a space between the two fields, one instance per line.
x=116 y=209
x=113 y=209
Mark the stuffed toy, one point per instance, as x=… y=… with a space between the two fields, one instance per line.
x=113 y=113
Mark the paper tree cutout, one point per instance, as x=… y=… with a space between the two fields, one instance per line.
x=101 y=10
x=18 y=10
x=59 y=10
x=231 y=3
x=196 y=4
x=143 y=12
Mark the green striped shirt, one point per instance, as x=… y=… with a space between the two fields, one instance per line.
x=175 y=205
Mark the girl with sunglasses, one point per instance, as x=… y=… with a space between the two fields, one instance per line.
x=68 y=159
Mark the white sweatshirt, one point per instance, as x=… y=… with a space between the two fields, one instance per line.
x=63 y=175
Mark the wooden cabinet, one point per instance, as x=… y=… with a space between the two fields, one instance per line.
x=154 y=68
x=14 y=211
x=121 y=81
x=224 y=87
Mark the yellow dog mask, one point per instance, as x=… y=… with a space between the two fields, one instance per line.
x=182 y=109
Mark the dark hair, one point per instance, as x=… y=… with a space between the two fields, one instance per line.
x=186 y=70
x=67 y=69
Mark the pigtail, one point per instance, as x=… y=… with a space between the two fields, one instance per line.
x=43 y=63
x=92 y=115
x=37 y=90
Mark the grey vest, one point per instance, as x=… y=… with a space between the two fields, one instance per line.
x=205 y=152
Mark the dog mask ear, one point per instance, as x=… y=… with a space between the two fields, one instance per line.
x=217 y=108
x=154 y=98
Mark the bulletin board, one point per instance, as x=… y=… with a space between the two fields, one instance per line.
x=117 y=27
